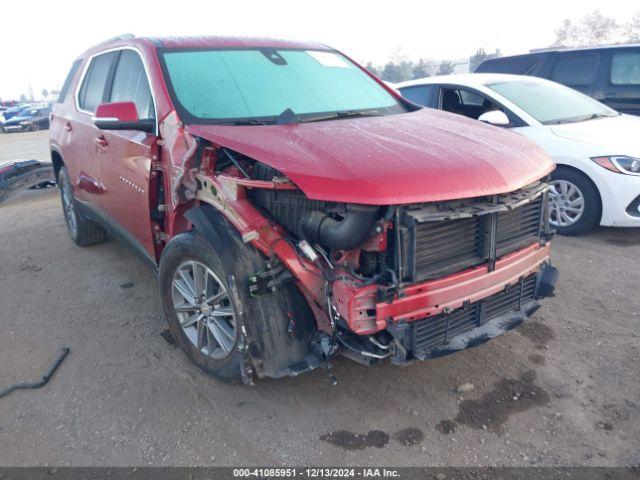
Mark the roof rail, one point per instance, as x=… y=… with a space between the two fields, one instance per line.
x=547 y=49
x=124 y=36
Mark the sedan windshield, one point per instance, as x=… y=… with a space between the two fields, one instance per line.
x=268 y=85
x=551 y=103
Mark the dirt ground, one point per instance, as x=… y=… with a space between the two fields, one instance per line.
x=562 y=390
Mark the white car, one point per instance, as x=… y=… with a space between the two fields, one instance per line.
x=597 y=149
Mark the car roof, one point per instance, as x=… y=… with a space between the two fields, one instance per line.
x=468 y=79
x=543 y=51
x=203 y=42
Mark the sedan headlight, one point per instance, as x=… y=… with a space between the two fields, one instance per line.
x=619 y=164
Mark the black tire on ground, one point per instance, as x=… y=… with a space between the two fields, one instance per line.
x=185 y=247
x=592 y=214
x=86 y=232
x=272 y=343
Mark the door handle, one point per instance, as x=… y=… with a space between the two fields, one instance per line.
x=67 y=126
x=100 y=140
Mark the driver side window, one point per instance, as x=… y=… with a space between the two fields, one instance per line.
x=130 y=84
x=466 y=102
x=473 y=104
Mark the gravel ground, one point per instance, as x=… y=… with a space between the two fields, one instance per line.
x=561 y=390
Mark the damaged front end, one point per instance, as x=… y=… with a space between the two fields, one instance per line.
x=399 y=282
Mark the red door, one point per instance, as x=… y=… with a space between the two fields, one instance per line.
x=126 y=167
x=81 y=141
x=125 y=172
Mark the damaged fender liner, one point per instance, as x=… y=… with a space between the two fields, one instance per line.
x=20 y=175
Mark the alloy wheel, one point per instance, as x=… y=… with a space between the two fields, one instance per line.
x=204 y=309
x=566 y=203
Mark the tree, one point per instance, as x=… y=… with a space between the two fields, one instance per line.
x=397 y=72
x=632 y=29
x=45 y=93
x=598 y=29
x=424 y=68
x=592 y=29
x=23 y=98
x=445 y=68
x=373 y=69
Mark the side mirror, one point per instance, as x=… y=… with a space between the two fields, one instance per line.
x=121 y=116
x=495 y=117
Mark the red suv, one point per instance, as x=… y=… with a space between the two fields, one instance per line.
x=294 y=207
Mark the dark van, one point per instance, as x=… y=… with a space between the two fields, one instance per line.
x=610 y=74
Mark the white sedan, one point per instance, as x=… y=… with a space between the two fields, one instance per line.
x=597 y=149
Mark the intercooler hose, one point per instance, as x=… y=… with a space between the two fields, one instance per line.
x=345 y=234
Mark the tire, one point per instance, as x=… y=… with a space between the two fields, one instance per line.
x=273 y=330
x=567 y=187
x=182 y=249
x=83 y=232
x=35 y=127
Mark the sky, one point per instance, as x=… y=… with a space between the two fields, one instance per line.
x=43 y=37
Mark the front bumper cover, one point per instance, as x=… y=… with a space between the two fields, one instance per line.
x=474 y=323
x=365 y=313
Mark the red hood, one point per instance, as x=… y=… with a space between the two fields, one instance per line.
x=415 y=157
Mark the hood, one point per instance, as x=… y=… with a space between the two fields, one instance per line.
x=423 y=156
x=610 y=136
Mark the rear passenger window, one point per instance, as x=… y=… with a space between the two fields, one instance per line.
x=130 y=84
x=625 y=68
x=93 y=86
x=67 y=82
x=420 y=94
x=576 y=70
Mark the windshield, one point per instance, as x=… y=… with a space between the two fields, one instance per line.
x=551 y=103
x=227 y=86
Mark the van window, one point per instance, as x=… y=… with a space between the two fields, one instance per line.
x=514 y=65
x=130 y=84
x=625 y=68
x=67 y=82
x=576 y=70
x=420 y=94
x=92 y=89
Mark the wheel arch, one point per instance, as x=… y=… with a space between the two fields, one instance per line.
x=57 y=162
x=279 y=324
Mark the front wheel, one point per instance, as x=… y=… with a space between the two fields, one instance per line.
x=574 y=202
x=199 y=308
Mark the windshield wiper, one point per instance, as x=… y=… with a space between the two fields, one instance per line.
x=248 y=121
x=582 y=118
x=593 y=116
x=344 y=114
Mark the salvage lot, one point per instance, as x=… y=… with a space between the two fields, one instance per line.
x=561 y=390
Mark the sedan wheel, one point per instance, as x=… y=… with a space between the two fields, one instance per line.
x=566 y=203
x=204 y=309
